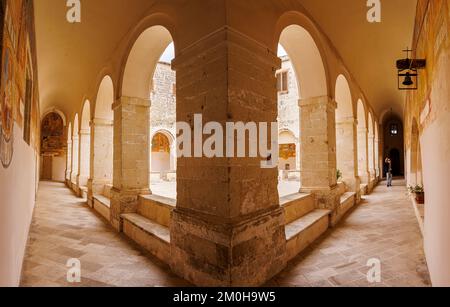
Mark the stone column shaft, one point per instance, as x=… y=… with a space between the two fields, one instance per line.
x=318 y=150
x=75 y=153
x=347 y=153
x=131 y=152
x=84 y=157
x=101 y=166
x=228 y=228
x=68 y=162
x=363 y=159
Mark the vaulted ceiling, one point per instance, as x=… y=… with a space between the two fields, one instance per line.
x=70 y=56
x=369 y=50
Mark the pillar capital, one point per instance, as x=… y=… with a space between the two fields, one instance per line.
x=98 y=122
x=131 y=101
x=327 y=101
x=84 y=132
x=346 y=121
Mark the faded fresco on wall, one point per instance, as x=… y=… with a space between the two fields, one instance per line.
x=17 y=31
x=53 y=139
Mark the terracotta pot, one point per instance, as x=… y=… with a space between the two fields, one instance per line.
x=420 y=198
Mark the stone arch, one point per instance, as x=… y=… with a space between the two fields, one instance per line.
x=102 y=140
x=343 y=97
x=53 y=147
x=142 y=60
x=105 y=99
x=75 y=150
x=345 y=133
x=307 y=61
x=363 y=163
x=378 y=162
x=69 y=153
x=162 y=152
x=299 y=37
x=59 y=112
x=371 y=144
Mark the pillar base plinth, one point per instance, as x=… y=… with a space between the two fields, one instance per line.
x=124 y=201
x=210 y=252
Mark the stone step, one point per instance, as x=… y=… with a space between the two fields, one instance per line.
x=152 y=236
x=304 y=231
x=102 y=205
x=297 y=205
x=156 y=208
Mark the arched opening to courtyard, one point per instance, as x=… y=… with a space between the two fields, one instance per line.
x=102 y=139
x=363 y=147
x=394 y=144
x=303 y=110
x=53 y=148
x=84 y=148
x=69 y=153
x=75 y=151
x=346 y=136
x=288 y=126
x=163 y=155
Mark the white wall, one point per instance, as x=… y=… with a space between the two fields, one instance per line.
x=17 y=198
x=59 y=168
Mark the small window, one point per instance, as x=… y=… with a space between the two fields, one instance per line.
x=394 y=130
x=283 y=82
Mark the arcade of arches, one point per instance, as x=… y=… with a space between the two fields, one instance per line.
x=103 y=116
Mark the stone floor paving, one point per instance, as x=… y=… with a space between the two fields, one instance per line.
x=64 y=227
x=384 y=227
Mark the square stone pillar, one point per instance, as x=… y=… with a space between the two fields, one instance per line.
x=84 y=157
x=131 y=156
x=347 y=154
x=228 y=227
x=101 y=166
x=75 y=153
x=372 y=161
x=318 y=150
x=68 y=162
x=363 y=157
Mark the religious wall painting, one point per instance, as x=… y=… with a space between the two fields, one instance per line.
x=52 y=134
x=287 y=151
x=7 y=96
x=160 y=143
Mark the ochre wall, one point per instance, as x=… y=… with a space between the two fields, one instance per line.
x=429 y=106
x=18 y=171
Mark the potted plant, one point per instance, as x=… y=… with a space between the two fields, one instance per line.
x=338 y=175
x=419 y=193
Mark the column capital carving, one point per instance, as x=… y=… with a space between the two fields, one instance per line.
x=347 y=120
x=101 y=122
x=362 y=130
x=319 y=100
x=131 y=101
x=84 y=132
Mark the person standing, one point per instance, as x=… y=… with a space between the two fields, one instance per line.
x=388 y=170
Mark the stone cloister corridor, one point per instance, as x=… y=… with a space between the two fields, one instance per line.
x=224 y=143
x=64 y=227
